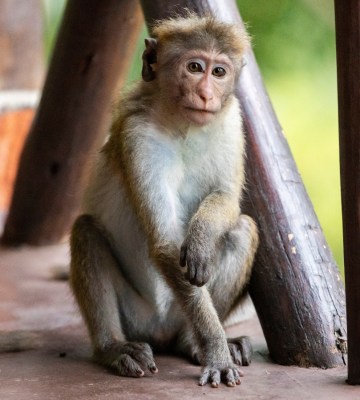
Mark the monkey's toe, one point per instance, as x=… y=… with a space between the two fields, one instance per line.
x=241 y=350
x=124 y=365
x=128 y=359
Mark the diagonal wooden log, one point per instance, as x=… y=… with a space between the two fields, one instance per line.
x=347 y=16
x=296 y=287
x=90 y=59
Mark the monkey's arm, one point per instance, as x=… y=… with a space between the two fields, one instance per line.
x=217 y=214
x=203 y=320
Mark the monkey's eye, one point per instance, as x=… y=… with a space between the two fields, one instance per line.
x=194 y=67
x=218 y=72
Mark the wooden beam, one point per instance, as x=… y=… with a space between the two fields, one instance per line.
x=347 y=16
x=296 y=287
x=92 y=54
x=21 y=43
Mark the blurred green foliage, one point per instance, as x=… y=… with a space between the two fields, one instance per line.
x=52 y=11
x=294 y=43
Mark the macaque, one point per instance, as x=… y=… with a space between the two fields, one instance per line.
x=162 y=255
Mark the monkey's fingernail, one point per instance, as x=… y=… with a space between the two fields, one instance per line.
x=214 y=384
x=154 y=369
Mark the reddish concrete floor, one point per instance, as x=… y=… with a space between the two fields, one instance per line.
x=60 y=367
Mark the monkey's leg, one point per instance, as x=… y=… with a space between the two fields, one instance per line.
x=186 y=345
x=93 y=275
x=204 y=324
x=240 y=348
x=232 y=270
x=227 y=286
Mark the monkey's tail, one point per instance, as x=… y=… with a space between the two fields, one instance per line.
x=21 y=340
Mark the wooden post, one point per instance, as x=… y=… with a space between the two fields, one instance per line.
x=21 y=45
x=296 y=287
x=347 y=16
x=92 y=53
x=16 y=115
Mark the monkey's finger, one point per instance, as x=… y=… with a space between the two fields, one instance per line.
x=203 y=274
x=190 y=274
x=230 y=377
x=196 y=278
x=237 y=376
x=124 y=365
x=183 y=252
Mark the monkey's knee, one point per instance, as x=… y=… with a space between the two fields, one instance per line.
x=85 y=227
x=243 y=239
x=247 y=227
x=87 y=244
x=235 y=264
x=85 y=233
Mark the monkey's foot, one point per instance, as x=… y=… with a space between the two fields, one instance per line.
x=230 y=375
x=127 y=358
x=240 y=350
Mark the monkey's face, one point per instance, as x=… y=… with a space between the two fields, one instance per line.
x=204 y=81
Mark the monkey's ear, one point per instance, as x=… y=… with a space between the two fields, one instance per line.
x=149 y=57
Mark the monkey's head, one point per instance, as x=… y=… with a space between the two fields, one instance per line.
x=195 y=61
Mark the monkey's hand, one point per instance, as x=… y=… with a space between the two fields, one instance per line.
x=196 y=258
x=127 y=358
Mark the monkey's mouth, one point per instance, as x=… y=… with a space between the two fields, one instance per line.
x=200 y=110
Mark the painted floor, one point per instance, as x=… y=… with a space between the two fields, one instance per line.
x=60 y=366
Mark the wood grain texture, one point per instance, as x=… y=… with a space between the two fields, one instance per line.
x=90 y=59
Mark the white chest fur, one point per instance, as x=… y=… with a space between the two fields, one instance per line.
x=187 y=167
x=174 y=173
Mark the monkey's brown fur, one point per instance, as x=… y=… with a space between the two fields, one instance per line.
x=162 y=254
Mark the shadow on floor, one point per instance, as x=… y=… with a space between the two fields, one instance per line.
x=60 y=366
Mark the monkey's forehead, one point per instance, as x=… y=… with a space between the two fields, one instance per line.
x=201 y=33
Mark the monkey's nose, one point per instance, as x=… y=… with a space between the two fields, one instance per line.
x=206 y=95
x=205 y=98
x=205 y=90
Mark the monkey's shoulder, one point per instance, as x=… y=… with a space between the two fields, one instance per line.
x=135 y=101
